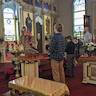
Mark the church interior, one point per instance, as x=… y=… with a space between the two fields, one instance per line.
x=26 y=30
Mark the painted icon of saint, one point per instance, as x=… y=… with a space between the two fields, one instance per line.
x=29 y=23
x=48 y=25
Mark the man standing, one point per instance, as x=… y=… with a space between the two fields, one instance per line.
x=87 y=36
x=56 y=53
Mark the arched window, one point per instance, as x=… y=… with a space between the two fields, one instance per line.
x=79 y=12
x=11 y=19
x=9 y=27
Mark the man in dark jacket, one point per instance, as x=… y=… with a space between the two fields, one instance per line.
x=56 y=53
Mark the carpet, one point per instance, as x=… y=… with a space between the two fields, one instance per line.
x=76 y=87
x=6 y=74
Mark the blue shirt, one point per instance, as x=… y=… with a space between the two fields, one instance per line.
x=56 y=47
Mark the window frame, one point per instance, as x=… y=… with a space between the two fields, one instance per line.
x=77 y=18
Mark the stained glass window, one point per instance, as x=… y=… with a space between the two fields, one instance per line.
x=79 y=12
x=9 y=26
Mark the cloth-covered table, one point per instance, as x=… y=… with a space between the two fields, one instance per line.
x=39 y=86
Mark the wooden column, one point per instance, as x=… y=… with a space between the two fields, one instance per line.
x=34 y=25
x=1 y=31
x=1 y=20
x=42 y=13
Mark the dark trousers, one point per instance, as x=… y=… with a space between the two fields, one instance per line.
x=70 y=65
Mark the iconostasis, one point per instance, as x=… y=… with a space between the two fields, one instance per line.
x=43 y=24
x=36 y=17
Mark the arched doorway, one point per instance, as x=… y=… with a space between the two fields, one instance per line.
x=11 y=21
x=39 y=23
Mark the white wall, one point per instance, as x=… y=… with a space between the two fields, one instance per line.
x=65 y=14
x=64 y=11
x=91 y=11
x=1 y=20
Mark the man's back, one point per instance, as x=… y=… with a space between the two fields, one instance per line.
x=56 y=48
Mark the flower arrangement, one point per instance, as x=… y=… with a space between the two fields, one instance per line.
x=90 y=48
x=17 y=49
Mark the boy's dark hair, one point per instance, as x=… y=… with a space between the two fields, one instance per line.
x=69 y=37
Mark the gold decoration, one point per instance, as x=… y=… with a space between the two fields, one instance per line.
x=47 y=25
x=25 y=14
x=48 y=1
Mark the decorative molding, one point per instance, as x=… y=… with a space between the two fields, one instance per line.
x=89 y=72
x=25 y=6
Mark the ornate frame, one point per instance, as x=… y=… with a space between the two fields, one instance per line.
x=24 y=18
x=89 y=72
